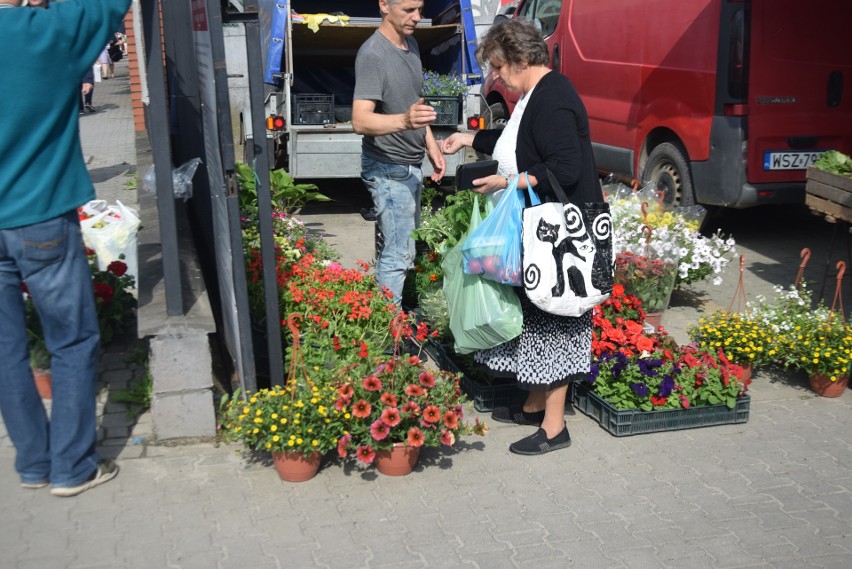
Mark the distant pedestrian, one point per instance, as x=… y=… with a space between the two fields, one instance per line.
x=43 y=179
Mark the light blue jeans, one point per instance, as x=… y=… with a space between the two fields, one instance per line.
x=396 y=190
x=51 y=258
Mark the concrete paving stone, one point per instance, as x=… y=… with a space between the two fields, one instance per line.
x=242 y=551
x=615 y=536
x=489 y=559
x=780 y=521
x=794 y=563
x=434 y=558
x=793 y=500
x=649 y=522
x=808 y=543
x=586 y=553
x=684 y=555
x=830 y=561
x=637 y=558
x=727 y=551
x=42 y=561
x=386 y=552
x=287 y=533
x=563 y=527
x=195 y=559
x=521 y=537
x=827 y=523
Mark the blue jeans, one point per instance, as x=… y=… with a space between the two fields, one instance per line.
x=396 y=190
x=51 y=258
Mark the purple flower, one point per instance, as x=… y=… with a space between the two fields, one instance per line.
x=639 y=388
x=666 y=386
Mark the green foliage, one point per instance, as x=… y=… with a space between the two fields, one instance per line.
x=285 y=193
x=137 y=395
x=443 y=85
x=835 y=162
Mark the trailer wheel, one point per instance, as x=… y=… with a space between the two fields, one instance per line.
x=668 y=169
x=499 y=115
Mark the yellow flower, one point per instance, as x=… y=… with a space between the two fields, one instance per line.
x=275 y=438
x=314 y=442
x=273 y=428
x=299 y=441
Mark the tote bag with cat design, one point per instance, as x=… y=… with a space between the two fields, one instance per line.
x=567 y=254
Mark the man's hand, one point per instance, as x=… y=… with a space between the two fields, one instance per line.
x=86 y=88
x=439 y=165
x=419 y=115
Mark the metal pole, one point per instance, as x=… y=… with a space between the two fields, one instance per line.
x=161 y=151
x=264 y=199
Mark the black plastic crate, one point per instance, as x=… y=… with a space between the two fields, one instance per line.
x=313 y=108
x=624 y=422
x=449 y=109
x=501 y=392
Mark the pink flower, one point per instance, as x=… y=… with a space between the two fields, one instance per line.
x=415 y=437
x=342 y=443
x=390 y=417
x=365 y=454
x=447 y=438
x=379 y=430
x=427 y=379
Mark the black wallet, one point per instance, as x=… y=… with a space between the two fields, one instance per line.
x=467 y=173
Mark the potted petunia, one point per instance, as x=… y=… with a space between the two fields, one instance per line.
x=398 y=406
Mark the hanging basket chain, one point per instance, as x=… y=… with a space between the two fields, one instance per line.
x=806 y=256
x=837 y=302
x=740 y=294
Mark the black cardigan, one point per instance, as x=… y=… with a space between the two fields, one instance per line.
x=554 y=135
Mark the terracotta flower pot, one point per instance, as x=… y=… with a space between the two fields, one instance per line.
x=398 y=461
x=295 y=466
x=654 y=319
x=43 y=379
x=824 y=387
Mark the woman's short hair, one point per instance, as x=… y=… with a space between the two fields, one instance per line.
x=515 y=42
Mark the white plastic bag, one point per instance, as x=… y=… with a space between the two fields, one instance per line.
x=111 y=232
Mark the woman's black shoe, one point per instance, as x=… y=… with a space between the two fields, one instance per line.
x=538 y=443
x=517 y=415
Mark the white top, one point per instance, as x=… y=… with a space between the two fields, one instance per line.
x=504 y=149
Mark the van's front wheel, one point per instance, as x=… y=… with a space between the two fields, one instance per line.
x=668 y=170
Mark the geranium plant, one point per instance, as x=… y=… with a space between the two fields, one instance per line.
x=617 y=326
x=114 y=301
x=666 y=379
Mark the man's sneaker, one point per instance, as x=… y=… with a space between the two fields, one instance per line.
x=538 y=443
x=33 y=485
x=91 y=109
x=106 y=471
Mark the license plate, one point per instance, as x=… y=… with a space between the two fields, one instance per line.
x=789 y=159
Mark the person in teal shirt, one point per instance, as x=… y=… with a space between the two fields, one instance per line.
x=43 y=179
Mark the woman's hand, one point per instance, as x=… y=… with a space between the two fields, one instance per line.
x=490 y=184
x=456 y=142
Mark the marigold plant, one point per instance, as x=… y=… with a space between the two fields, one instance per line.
x=299 y=416
x=743 y=339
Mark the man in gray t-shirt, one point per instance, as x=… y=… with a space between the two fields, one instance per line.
x=388 y=109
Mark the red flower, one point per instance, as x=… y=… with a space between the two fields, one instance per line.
x=413 y=360
x=414 y=390
x=118 y=268
x=390 y=417
x=415 y=437
x=379 y=430
x=365 y=454
x=451 y=420
x=427 y=379
x=657 y=401
x=103 y=292
x=372 y=383
x=342 y=443
x=447 y=438
x=684 y=401
x=346 y=391
x=364 y=351
x=432 y=414
x=361 y=409
x=412 y=408
x=388 y=399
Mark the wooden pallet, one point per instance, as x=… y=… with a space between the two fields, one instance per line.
x=829 y=194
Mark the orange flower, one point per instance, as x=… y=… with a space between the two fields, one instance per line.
x=415 y=437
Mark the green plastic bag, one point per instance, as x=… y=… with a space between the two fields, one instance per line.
x=483 y=313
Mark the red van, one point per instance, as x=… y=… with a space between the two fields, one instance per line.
x=720 y=102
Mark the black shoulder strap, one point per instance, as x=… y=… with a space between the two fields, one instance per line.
x=557 y=189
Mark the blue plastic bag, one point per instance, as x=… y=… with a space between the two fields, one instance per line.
x=493 y=249
x=483 y=314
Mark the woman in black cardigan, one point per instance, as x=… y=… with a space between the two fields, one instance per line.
x=548 y=130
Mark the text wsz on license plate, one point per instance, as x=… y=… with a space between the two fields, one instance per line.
x=790 y=160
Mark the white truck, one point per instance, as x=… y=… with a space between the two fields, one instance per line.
x=309 y=49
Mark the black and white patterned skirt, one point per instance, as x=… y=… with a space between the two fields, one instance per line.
x=550 y=352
